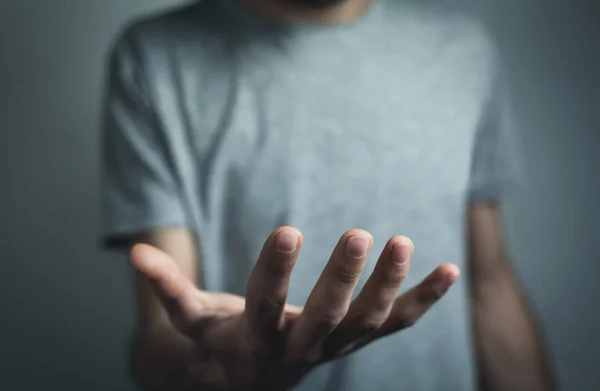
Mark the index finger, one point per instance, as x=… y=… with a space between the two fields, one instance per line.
x=268 y=284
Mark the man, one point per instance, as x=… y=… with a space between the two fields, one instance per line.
x=229 y=122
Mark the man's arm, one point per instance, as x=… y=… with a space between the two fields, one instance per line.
x=509 y=349
x=159 y=352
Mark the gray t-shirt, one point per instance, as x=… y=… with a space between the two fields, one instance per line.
x=231 y=125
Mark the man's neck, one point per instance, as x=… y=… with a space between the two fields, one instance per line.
x=297 y=11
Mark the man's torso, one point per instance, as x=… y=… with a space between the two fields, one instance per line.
x=369 y=125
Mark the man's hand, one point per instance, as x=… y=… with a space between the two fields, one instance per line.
x=260 y=342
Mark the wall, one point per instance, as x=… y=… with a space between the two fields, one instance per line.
x=66 y=306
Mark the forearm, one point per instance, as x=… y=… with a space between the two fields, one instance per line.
x=509 y=349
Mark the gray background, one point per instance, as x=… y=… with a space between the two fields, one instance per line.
x=65 y=306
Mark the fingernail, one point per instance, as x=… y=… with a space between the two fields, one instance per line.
x=357 y=246
x=401 y=253
x=286 y=242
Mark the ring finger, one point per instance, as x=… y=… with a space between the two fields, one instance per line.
x=374 y=303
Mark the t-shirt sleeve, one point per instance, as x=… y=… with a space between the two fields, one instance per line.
x=496 y=166
x=139 y=191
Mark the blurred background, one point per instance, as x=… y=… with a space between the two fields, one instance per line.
x=66 y=307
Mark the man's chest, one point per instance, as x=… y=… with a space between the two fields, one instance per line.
x=347 y=135
x=364 y=124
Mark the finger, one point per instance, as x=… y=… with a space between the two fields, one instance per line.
x=178 y=294
x=329 y=300
x=268 y=284
x=410 y=306
x=373 y=305
x=292 y=311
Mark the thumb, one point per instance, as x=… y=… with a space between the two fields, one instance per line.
x=177 y=294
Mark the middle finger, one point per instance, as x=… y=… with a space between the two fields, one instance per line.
x=330 y=298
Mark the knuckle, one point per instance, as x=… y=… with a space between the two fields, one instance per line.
x=429 y=295
x=267 y=305
x=369 y=324
x=406 y=321
x=346 y=275
x=390 y=279
x=327 y=322
x=277 y=268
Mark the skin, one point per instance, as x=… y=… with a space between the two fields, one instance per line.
x=226 y=342
x=190 y=339
x=509 y=351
